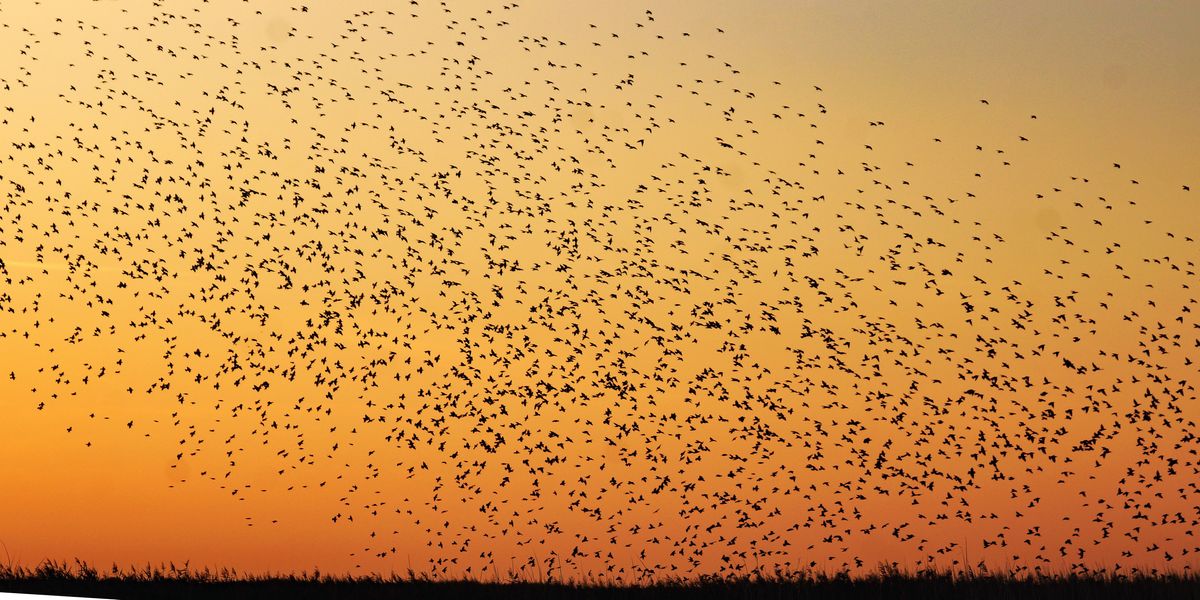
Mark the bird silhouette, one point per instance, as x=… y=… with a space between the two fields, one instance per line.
x=597 y=303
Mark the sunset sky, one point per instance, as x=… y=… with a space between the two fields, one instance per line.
x=651 y=289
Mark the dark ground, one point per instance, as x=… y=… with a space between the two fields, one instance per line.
x=81 y=580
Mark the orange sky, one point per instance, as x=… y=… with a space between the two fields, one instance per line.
x=482 y=288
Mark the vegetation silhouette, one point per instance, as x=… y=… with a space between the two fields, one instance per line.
x=172 y=581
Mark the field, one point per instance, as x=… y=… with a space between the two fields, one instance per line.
x=80 y=579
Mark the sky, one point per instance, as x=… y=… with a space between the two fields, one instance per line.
x=655 y=289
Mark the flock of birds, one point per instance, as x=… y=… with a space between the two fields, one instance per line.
x=598 y=306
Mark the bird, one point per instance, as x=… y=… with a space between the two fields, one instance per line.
x=482 y=294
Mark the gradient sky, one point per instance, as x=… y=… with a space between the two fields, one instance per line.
x=958 y=268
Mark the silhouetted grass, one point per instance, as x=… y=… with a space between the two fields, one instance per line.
x=169 y=581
